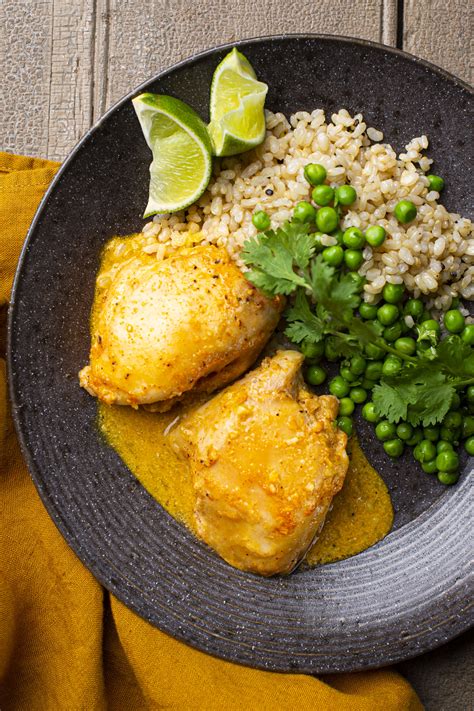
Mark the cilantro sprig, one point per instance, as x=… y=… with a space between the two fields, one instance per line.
x=323 y=305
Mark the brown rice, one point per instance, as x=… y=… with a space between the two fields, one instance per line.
x=433 y=255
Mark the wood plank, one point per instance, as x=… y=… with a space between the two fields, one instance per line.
x=69 y=60
x=48 y=55
x=141 y=43
x=72 y=67
x=25 y=51
x=441 y=31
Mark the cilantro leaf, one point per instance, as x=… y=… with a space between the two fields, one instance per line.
x=389 y=403
x=419 y=394
x=432 y=404
x=274 y=256
x=321 y=278
x=303 y=323
x=456 y=357
x=364 y=331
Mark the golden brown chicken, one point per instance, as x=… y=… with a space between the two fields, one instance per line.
x=266 y=459
x=163 y=328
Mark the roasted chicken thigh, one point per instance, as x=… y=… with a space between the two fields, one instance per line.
x=166 y=327
x=266 y=460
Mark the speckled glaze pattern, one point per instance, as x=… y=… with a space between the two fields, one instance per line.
x=409 y=593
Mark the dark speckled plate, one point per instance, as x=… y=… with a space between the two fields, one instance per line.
x=402 y=597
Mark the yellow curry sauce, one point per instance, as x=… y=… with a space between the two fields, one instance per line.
x=361 y=515
x=362 y=512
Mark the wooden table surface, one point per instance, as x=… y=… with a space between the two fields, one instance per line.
x=64 y=62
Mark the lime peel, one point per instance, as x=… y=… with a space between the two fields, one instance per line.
x=236 y=106
x=182 y=152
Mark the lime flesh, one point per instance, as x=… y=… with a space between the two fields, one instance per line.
x=236 y=107
x=182 y=152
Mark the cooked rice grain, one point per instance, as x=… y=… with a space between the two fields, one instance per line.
x=433 y=255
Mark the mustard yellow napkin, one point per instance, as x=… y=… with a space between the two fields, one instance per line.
x=65 y=643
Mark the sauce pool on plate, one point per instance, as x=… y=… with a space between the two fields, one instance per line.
x=361 y=515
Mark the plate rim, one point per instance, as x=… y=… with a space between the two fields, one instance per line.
x=34 y=470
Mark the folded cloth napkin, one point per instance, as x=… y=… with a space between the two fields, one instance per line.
x=65 y=643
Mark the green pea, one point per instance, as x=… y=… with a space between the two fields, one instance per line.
x=447 y=461
x=374 y=352
x=368 y=311
x=354 y=238
x=467 y=334
x=346 y=195
x=455 y=402
x=469 y=446
x=435 y=182
x=430 y=467
x=452 y=420
x=429 y=327
x=261 y=220
x=375 y=235
x=339 y=387
x=391 y=365
x=431 y=433
x=358 y=280
x=416 y=437
x=368 y=384
x=327 y=219
x=387 y=314
x=347 y=374
x=404 y=431
x=358 y=364
x=405 y=345
x=470 y=393
x=315 y=375
x=358 y=395
x=385 y=430
x=393 y=293
x=318 y=245
x=454 y=321
x=377 y=326
x=304 y=212
x=339 y=234
x=467 y=426
x=413 y=308
x=333 y=255
x=315 y=173
x=393 y=332
x=329 y=351
x=312 y=351
x=425 y=451
x=394 y=448
x=346 y=406
x=353 y=258
x=448 y=478
x=373 y=371
x=345 y=424
x=449 y=435
x=443 y=446
x=323 y=195
x=405 y=211
x=369 y=413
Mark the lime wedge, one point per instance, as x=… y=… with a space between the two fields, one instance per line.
x=237 y=101
x=182 y=152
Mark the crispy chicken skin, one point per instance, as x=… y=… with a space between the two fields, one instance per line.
x=191 y=321
x=266 y=461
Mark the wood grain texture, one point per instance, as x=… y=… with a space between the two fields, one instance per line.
x=47 y=50
x=141 y=43
x=442 y=32
x=25 y=57
x=68 y=60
